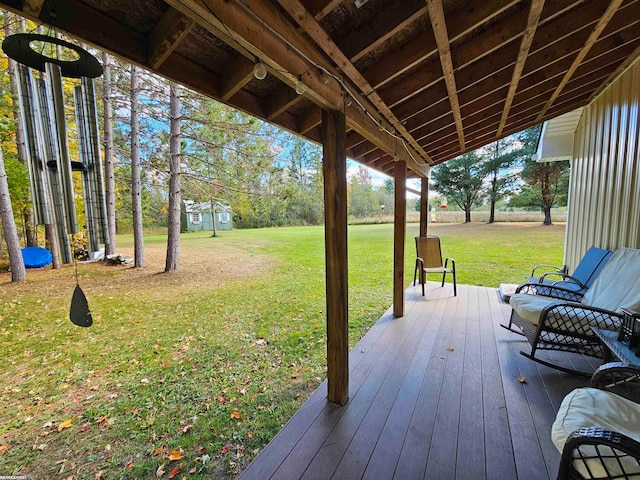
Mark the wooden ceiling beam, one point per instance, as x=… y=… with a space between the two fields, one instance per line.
x=321 y=8
x=172 y=28
x=615 y=73
x=237 y=75
x=33 y=7
x=540 y=67
x=462 y=22
x=311 y=118
x=593 y=37
x=587 y=78
x=387 y=22
x=535 y=11
x=322 y=39
x=370 y=158
x=353 y=139
x=499 y=38
x=363 y=149
x=523 y=124
x=261 y=31
x=438 y=23
x=280 y=101
x=121 y=41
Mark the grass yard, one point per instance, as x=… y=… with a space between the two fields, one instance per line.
x=189 y=374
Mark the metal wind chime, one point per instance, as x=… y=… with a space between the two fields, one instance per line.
x=44 y=123
x=49 y=162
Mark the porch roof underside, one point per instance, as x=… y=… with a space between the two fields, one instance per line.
x=433 y=394
x=428 y=79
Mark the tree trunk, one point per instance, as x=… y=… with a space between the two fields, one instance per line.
x=492 y=197
x=51 y=242
x=18 y=272
x=175 y=197
x=467 y=215
x=547 y=214
x=29 y=224
x=136 y=183
x=29 y=227
x=110 y=187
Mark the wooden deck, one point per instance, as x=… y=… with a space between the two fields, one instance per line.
x=434 y=394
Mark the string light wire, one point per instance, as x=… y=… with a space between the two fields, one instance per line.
x=383 y=127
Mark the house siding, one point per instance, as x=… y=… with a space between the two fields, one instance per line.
x=604 y=191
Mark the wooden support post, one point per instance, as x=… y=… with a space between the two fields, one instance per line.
x=424 y=206
x=334 y=169
x=399 y=236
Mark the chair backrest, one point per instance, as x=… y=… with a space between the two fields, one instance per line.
x=617 y=285
x=428 y=249
x=591 y=265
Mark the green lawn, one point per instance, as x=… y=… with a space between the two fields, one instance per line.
x=193 y=372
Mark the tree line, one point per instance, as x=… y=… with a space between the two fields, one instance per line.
x=505 y=173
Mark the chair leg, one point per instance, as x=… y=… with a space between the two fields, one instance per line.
x=415 y=272
x=444 y=275
x=423 y=280
x=455 y=287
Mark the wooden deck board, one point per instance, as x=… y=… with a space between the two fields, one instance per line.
x=434 y=394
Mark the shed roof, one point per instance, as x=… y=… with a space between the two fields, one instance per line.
x=420 y=80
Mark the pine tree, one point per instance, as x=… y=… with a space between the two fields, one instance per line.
x=175 y=198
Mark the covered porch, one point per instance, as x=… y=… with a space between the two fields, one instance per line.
x=437 y=393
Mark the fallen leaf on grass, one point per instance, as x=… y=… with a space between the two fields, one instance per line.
x=522 y=379
x=160 y=471
x=224 y=450
x=175 y=455
x=65 y=424
x=3 y=448
x=129 y=465
x=187 y=428
x=158 y=451
x=175 y=471
x=236 y=414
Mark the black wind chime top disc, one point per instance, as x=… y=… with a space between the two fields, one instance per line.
x=20 y=48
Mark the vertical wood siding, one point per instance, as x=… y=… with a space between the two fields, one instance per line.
x=604 y=193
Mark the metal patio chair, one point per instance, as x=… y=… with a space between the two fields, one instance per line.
x=582 y=277
x=429 y=260
x=553 y=318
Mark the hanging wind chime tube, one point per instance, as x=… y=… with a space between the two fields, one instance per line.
x=92 y=173
x=58 y=127
x=36 y=163
x=54 y=174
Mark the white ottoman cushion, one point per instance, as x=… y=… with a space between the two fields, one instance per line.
x=590 y=407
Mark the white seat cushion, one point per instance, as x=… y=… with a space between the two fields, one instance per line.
x=529 y=306
x=589 y=407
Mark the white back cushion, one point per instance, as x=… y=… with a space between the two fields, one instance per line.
x=618 y=285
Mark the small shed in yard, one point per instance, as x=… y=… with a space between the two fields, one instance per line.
x=197 y=216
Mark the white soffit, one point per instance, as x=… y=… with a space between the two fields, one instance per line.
x=556 y=138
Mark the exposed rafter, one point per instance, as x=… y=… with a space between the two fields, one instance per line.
x=33 y=7
x=318 y=34
x=424 y=46
x=593 y=37
x=387 y=22
x=238 y=74
x=527 y=39
x=439 y=25
x=167 y=35
x=280 y=101
x=263 y=32
x=616 y=73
